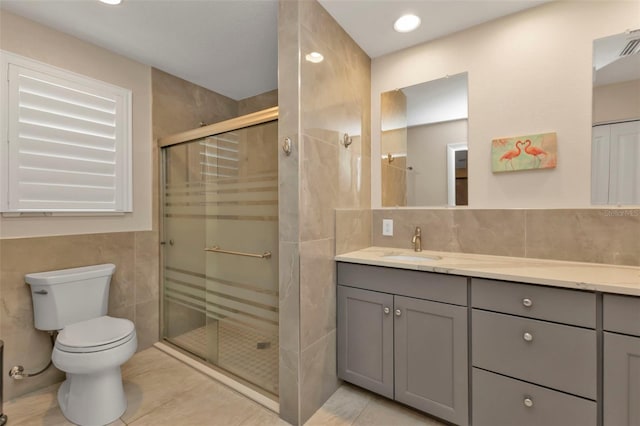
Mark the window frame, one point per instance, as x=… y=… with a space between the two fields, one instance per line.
x=11 y=63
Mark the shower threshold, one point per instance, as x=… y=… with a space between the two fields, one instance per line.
x=254 y=393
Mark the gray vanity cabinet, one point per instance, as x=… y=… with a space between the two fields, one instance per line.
x=621 y=381
x=535 y=355
x=397 y=338
x=365 y=339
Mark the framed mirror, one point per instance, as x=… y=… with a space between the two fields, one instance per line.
x=423 y=131
x=615 y=148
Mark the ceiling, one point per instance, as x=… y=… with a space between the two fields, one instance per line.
x=230 y=46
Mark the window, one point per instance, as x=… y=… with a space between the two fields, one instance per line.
x=66 y=141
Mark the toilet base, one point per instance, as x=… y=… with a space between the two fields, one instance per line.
x=82 y=397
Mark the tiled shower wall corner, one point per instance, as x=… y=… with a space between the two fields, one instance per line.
x=331 y=99
x=609 y=236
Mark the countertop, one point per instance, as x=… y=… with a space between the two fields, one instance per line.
x=577 y=275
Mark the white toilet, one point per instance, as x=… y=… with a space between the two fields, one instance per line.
x=90 y=347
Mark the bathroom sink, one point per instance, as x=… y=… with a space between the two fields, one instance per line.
x=409 y=258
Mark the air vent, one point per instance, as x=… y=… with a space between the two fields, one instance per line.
x=630 y=48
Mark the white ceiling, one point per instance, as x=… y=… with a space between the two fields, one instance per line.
x=230 y=46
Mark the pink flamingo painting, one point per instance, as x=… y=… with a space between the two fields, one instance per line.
x=534 y=151
x=507 y=153
x=511 y=154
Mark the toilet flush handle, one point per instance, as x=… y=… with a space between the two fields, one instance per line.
x=41 y=292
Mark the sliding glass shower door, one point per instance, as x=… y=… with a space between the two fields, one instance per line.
x=220 y=232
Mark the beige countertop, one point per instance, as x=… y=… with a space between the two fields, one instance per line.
x=576 y=275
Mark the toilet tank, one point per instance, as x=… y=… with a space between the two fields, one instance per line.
x=71 y=295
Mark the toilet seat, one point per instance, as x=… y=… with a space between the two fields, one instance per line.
x=95 y=335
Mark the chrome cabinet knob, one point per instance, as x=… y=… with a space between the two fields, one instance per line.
x=386 y=310
x=527 y=302
x=398 y=312
x=528 y=402
x=528 y=337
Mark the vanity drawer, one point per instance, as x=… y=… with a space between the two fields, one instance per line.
x=534 y=301
x=554 y=355
x=502 y=401
x=422 y=285
x=621 y=314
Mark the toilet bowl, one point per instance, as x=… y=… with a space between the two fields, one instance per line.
x=90 y=347
x=91 y=353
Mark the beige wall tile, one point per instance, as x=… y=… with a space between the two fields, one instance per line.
x=353 y=230
x=24 y=344
x=179 y=105
x=586 y=235
x=318 y=379
x=258 y=102
x=147 y=323
x=317 y=290
x=318 y=189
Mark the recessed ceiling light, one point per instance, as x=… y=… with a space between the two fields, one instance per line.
x=314 y=57
x=406 y=23
x=111 y=2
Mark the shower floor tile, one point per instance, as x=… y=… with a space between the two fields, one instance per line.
x=238 y=352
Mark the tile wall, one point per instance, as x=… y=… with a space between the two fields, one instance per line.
x=319 y=103
x=609 y=236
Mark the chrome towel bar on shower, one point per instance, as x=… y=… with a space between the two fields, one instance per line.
x=216 y=249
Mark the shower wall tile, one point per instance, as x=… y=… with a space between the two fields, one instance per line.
x=318 y=378
x=179 y=105
x=318 y=189
x=353 y=230
x=318 y=275
x=258 y=102
x=289 y=371
x=319 y=103
x=586 y=235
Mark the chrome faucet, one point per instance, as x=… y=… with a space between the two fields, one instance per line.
x=417 y=239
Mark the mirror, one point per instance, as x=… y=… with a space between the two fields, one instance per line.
x=423 y=143
x=615 y=149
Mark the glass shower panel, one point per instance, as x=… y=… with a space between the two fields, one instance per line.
x=233 y=287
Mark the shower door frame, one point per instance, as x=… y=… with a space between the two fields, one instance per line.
x=237 y=123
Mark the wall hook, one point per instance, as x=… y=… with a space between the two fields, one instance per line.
x=347 y=140
x=286 y=146
x=390 y=158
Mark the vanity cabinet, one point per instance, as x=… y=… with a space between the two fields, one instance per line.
x=403 y=335
x=534 y=356
x=621 y=381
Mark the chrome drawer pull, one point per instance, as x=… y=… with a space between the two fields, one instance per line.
x=528 y=402
x=386 y=310
x=528 y=337
x=527 y=302
x=398 y=312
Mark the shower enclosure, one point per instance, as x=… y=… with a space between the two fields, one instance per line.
x=220 y=246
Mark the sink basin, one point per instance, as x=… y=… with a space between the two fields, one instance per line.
x=409 y=258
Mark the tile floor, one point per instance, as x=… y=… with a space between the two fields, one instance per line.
x=163 y=391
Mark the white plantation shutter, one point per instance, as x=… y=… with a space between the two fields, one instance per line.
x=69 y=142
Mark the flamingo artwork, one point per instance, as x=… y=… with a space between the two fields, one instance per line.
x=541 y=152
x=534 y=151
x=511 y=154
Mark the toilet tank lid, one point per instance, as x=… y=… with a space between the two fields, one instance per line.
x=69 y=275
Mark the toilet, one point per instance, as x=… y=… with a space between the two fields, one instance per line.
x=90 y=347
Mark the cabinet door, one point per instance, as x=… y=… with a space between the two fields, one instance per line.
x=365 y=339
x=621 y=399
x=431 y=358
